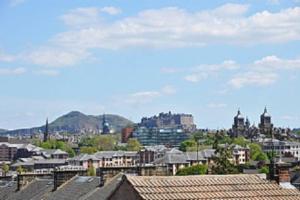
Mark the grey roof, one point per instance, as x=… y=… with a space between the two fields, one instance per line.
x=35 y=190
x=111 y=154
x=7 y=189
x=172 y=158
x=84 y=157
x=76 y=188
x=106 y=191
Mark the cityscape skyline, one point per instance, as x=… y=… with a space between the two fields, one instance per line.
x=207 y=59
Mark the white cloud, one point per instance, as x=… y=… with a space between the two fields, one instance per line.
x=202 y=72
x=52 y=57
x=6 y=57
x=174 y=27
x=47 y=72
x=14 y=3
x=253 y=78
x=81 y=17
x=217 y=105
x=196 y=77
x=168 y=90
x=169 y=27
x=12 y=71
x=274 y=2
x=86 y=17
x=144 y=97
x=274 y=63
x=264 y=72
x=111 y=10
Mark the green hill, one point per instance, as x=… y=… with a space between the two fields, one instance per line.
x=77 y=122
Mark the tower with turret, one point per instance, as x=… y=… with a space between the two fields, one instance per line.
x=239 y=125
x=266 y=125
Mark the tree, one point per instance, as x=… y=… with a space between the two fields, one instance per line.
x=223 y=161
x=5 y=169
x=188 y=145
x=193 y=170
x=54 y=144
x=133 y=145
x=240 y=141
x=256 y=152
x=91 y=171
x=20 y=170
x=264 y=170
x=88 y=150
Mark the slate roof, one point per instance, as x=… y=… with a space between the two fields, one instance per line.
x=7 y=188
x=34 y=190
x=106 y=191
x=74 y=189
x=209 y=187
x=178 y=157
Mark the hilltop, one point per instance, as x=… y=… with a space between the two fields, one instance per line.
x=77 y=122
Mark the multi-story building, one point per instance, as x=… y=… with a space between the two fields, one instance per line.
x=105 y=159
x=282 y=148
x=169 y=120
x=11 y=152
x=8 y=152
x=171 y=137
x=241 y=155
x=126 y=134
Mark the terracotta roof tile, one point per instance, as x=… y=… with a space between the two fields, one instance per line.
x=210 y=187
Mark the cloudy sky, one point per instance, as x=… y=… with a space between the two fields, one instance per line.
x=139 y=58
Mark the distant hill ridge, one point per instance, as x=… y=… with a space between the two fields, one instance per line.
x=77 y=122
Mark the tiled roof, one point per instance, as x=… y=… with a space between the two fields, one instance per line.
x=209 y=187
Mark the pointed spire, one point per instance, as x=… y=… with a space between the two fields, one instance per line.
x=46 y=133
x=265 y=111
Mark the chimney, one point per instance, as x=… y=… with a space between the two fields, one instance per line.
x=283 y=173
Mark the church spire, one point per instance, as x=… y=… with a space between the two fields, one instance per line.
x=46 y=132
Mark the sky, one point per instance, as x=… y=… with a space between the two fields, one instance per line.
x=140 y=58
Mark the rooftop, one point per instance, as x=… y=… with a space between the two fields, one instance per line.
x=209 y=187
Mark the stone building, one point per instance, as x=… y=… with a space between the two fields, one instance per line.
x=169 y=120
x=265 y=125
x=239 y=125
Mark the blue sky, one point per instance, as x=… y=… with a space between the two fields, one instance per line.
x=140 y=58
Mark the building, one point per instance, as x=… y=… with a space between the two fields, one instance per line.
x=174 y=159
x=239 y=126
x=169 y=120
x=199 y=187
x=105 y=159
x=8 y=152
x=126 y=134
x=160 y=136
x=265 y=125
x=151 y=153
x=241 y=155
x=282 y=148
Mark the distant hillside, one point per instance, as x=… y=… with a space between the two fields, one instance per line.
x=2 y=130
x=77 y=122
